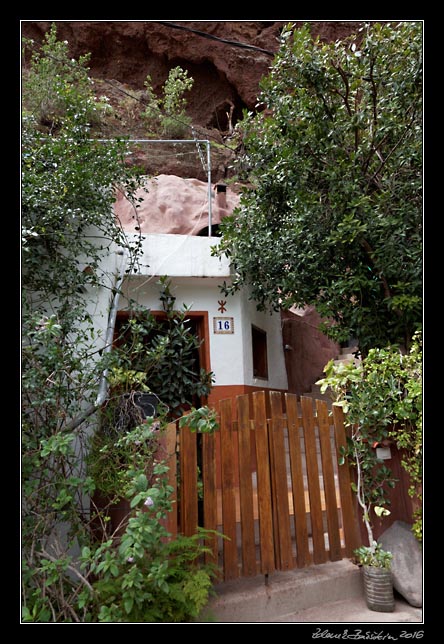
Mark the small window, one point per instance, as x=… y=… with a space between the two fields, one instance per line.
x=260 y=363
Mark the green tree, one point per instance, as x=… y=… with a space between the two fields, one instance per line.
x=69 y=184
x=334 y=215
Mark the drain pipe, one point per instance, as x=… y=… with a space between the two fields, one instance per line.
x=210 y=218
x=103 y=385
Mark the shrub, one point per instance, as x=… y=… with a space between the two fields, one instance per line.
x=69 y=185
x=168 y=114
x=382 y=397
x=145 y=576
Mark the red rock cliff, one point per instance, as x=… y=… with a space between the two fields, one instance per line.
x=225 y=74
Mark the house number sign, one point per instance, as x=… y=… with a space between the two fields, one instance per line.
x=223 y=325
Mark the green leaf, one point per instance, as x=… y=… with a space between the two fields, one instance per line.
x=114 y=570
x=137 y=499
x=86 y=552
x=142 y=482
x=128 y=604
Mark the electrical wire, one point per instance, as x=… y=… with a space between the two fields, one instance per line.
x=203 y=34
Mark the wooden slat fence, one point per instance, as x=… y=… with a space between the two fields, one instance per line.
x=271 y=485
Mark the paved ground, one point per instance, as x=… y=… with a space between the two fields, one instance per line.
x=331 y=593
x=352 y=611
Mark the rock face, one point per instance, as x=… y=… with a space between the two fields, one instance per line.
x=226 y=76
x=406 y=562
x=226 y=60
x=176 y=206
x=307 y=349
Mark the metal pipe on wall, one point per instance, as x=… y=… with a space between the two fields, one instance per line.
x=103 y=386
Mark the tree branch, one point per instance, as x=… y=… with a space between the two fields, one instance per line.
x=345 y=98
x=69 y=567
x=361 y=499
x=394 y=148
x=81 y=418
x=373 y=126
x=374 y=97
x=64 y=608
x=370 y=252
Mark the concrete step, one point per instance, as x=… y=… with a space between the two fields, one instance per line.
x=347 y=355
x=260 y=598
x=330 y=592
x=345 y=350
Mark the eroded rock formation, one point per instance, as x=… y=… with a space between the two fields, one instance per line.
x=175 y=205
x=226 y=74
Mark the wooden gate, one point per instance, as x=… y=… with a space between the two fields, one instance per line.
x=269 y=480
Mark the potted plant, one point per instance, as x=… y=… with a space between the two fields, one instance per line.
x=382 y=399
x=378 y=584
x=368 y=426
x=375 y=562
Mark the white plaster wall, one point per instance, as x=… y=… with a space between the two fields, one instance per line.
x=175 y=255
x=271 y=324
x=181 y=255
x=201 y=295
x=230 y=354
x=195 y=279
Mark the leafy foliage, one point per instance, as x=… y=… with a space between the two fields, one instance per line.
x=68 y=188
x=69 y=183
x=58 y=87
x=202 y=420
x=382 y=397
x=112 y=452
x=166 y=351
x=148 y=577
x=334 y=217
x=374 y=556
x=168 y=113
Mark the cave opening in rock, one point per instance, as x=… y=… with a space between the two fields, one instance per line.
x=226 y=115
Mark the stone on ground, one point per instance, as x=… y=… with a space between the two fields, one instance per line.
x=407 y=561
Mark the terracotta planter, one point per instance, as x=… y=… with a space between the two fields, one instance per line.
x=378 y=587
